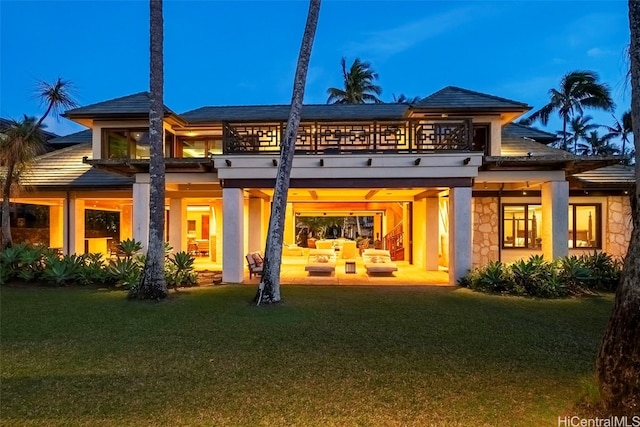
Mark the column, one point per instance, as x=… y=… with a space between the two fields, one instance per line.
x=256 y=226
x=178 y=224
x=126 y=219
x=141 y=213
x=459 y=233
x=289 y=235
x=56 y=226
x=76 y=226
x=419 y=233
x=217 y=255
x=233 y=235
x=555 y=219
x=432 y=233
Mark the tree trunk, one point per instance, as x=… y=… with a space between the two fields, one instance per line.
x=618 y=364
x=269 y=289
x=153 y=284
x=6 y=195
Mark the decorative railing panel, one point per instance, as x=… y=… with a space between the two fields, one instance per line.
x=406 y=136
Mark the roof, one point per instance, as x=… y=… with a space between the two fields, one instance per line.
x=47 y=135
x=513 y=146
x=614 y=175
x=65 y=168
x=74 y=138
x=246 y=113
x=138 y=103
x=452 y=97
x=518 y=130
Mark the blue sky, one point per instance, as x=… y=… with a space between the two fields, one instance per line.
x=241 y=52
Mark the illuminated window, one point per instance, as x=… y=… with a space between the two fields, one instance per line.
x=584 y=226
x=125 y=143
x=522 y=226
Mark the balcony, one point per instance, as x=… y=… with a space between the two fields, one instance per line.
x=394 y=137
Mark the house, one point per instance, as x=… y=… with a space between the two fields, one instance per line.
x=449 y=182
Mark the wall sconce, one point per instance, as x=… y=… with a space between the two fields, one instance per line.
x=228 y=162
x=369 y=162
x=417 y=161
x=466 y=161
x=321 y=162
x=275 y=162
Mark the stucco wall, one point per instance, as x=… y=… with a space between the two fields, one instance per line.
x=617 y=232
x=485 y=230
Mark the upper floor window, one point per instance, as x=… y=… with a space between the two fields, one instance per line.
x=481 y=137
x=197 y=147
x=125 y=143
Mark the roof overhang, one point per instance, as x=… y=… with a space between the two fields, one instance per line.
x=569 y=165
x=130 y=167
x=88 y=119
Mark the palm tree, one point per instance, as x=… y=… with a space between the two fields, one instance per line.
x=596 y=145
x=578 y=90
x=403 y=99
x=152 y=284
x=618 y=364
x=23 y=141
x=621 y=130
x=358 y=85
x=269 y=289
x=579 y=127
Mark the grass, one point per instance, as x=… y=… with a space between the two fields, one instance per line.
x=334 y=356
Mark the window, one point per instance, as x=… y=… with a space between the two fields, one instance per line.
x=99 y=223
x=169 y=144
x=522 y=226
x=198 y=147
x=481 y=137
x=125 y=143
x=584 y=226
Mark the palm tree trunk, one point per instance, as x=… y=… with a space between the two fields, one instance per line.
x=269 y=289
x=153 y=284
x=618 y=364
x=7 y=241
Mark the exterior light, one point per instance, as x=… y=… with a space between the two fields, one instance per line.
x=466 y=161
x=275 y=162
x=417 y=161
x=321 y=162
x=228 y=162
x=369 y=162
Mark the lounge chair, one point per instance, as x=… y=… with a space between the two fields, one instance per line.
x=378 y=261
x=255 y=264
x=321 y=261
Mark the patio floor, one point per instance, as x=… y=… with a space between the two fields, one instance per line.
x=292 y=273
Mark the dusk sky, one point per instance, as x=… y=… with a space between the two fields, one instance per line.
x=229 y=53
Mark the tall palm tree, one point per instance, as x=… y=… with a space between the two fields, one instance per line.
x=152 y=284
x=579 y=127
x=618 y=364
x=578 y=90
x=22 y=143
x=621 y=129
x=358 y=85
x=269 y=289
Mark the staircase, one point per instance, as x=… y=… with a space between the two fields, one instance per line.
x=394 y=243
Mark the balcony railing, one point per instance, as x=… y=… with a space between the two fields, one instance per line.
x=406 y=136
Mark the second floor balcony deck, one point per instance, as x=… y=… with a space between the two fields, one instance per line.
x=403 y=136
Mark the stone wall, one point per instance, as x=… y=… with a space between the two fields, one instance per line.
x=485 y=230
x=617 y=231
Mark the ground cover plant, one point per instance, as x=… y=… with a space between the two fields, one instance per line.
x=535 y=277
x=336 y=356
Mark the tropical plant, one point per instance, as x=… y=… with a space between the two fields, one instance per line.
x=621 y=129
x=179 y=271
x=125 y=272
x=129 y=247
x=63 y=271
x=23 y=142
x=578 y=128
x=358 y=85
x=603 y=269
x=153 y=284
x=93 y=271
x=618 y=363
x=596 y=145
x=403 y=99
x=269 y=288
x=578 y=90
x=574 y=274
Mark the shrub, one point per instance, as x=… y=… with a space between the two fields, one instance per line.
x=604 y=270
x=490 y=278
x=64 y=270
x=125 y=272
x=179 y=270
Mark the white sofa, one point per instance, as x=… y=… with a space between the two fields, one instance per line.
x=321 y=261
x=378 y=261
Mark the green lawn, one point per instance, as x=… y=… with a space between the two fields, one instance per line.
x=326 y=356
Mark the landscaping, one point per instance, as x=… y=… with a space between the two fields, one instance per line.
x=325 y=356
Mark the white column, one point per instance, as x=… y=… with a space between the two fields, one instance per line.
x=233 y=235
x=419 y=233
x=432 y=233
x=178 y=224
x=76 y=226
x=407 y=237
x=256 y=229
x=141 y=213
x=555 y=219
x=459 y=233
x=56 y=226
